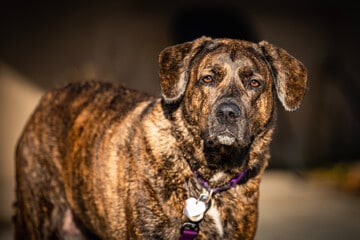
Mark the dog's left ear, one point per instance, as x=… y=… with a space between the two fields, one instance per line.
x=174 y=64
x=290 y=75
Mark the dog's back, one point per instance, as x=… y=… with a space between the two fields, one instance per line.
x=46 y=139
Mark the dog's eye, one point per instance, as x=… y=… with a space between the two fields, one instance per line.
x=254 y=83
x=207 y=79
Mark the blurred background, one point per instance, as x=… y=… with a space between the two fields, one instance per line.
x=312 y=187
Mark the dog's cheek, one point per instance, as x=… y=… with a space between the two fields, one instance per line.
x=197 y=106
x=264 y=110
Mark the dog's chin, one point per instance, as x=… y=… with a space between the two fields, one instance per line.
x=225 y=151
x=226 y=140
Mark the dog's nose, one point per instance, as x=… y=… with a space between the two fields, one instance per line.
x=227 y=112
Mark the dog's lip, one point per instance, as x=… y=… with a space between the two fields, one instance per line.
x=227 y=132
x=223 y=132
x=226 y=140
x=226 y=137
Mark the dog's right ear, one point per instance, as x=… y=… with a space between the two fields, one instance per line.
x=174 y=64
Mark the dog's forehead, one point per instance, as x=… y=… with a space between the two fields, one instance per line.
x=234 y=58
x=225 y=59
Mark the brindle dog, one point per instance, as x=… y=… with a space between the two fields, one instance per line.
x=101 y=161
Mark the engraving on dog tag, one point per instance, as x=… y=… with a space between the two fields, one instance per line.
x=194 y=209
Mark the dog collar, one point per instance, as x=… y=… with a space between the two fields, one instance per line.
x=232 y=183
x=195 y=208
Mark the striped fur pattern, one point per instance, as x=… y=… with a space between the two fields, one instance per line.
x=100 y=161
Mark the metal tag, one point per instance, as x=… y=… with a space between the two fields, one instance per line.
x=194 y=209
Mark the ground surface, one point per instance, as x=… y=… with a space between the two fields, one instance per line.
x=294 y=208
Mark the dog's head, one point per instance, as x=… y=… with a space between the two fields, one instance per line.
x=228 y=88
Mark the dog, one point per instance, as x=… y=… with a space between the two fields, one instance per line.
x=97 y=160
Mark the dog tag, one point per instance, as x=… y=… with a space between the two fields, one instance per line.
x=194 y=209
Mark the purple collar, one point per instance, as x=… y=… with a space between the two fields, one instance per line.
x=232 y=183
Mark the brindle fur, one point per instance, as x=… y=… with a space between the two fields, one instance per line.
x=97 y=160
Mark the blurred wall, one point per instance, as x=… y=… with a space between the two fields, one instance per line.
x=46 y=45
x=15 y=111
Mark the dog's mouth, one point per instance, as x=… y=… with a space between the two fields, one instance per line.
x=226 y=138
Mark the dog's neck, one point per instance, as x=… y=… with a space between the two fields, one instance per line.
x=232 y=183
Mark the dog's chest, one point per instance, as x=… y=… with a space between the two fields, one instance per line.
x=214 y=213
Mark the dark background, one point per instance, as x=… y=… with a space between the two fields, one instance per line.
x=44 y=44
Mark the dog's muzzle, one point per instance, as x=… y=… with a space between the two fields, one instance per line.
x=228 y=125
x=226 y=115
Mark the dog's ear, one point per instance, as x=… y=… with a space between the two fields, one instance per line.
x=290 y=75
x=174 y=64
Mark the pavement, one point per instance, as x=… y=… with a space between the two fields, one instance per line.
x=296 y=208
